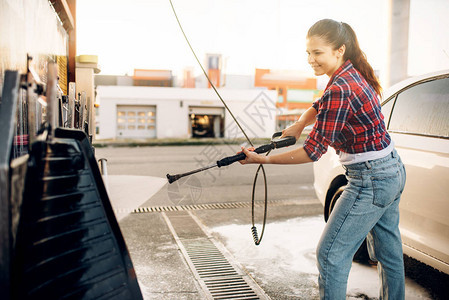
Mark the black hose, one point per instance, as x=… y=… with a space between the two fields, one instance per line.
x=256 y=238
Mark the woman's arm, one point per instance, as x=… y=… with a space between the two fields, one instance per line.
x=295 y=156
x=307 y=118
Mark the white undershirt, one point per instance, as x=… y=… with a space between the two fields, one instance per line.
x=349 y=159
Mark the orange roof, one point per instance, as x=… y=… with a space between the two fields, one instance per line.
x=291 y=79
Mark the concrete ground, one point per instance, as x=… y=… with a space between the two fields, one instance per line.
x=160 y=238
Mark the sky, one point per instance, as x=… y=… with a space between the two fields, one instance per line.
x=249 y=34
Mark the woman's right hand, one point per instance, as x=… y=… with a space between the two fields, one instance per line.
x=251 y=156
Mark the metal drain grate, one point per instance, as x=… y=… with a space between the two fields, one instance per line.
x=191 y=207
x=218 y=206
x=230 y=288
x=215 y=270
x=208 y=260
x=219 y=276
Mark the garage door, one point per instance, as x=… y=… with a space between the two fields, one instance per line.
x=136 y=121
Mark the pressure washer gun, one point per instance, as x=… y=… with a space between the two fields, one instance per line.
x=275 y=143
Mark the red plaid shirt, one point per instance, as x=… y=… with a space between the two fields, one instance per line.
x=349 y=117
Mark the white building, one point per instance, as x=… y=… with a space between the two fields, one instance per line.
x=169 y=112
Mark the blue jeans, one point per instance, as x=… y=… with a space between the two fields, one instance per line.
x=368 y=208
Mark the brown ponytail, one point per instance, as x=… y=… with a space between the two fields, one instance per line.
x=337 y=34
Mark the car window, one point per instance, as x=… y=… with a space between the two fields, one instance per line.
x=386 y=110
x=423 y=109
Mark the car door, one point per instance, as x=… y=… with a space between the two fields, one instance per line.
x=418 y=121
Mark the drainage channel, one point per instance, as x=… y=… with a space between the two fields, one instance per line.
x=226 y=205
x=217 y=272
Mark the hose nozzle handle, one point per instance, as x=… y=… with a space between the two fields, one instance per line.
x=274 y=144
x=241 y=156
x=283 y=142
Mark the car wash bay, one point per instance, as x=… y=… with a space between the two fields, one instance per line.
x=193 y=240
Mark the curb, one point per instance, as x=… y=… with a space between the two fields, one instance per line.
x=179 y=142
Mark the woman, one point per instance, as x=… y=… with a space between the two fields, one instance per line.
x=348 y=118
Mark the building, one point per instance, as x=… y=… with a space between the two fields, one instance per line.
x=173 y=112
x=147 y=105
x=295 y=90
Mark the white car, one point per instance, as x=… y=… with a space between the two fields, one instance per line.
x=416 y=114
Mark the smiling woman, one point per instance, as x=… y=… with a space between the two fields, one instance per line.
x=322 y=57
x=334 y=43
x=347 y=118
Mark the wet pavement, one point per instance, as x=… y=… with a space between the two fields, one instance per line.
x=283 y=265
x=164 y=238
x=286 y=263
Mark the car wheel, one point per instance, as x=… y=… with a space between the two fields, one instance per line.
x=334 y=199
x=361 y=255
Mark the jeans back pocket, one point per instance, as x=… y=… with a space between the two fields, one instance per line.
x=386 y=188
